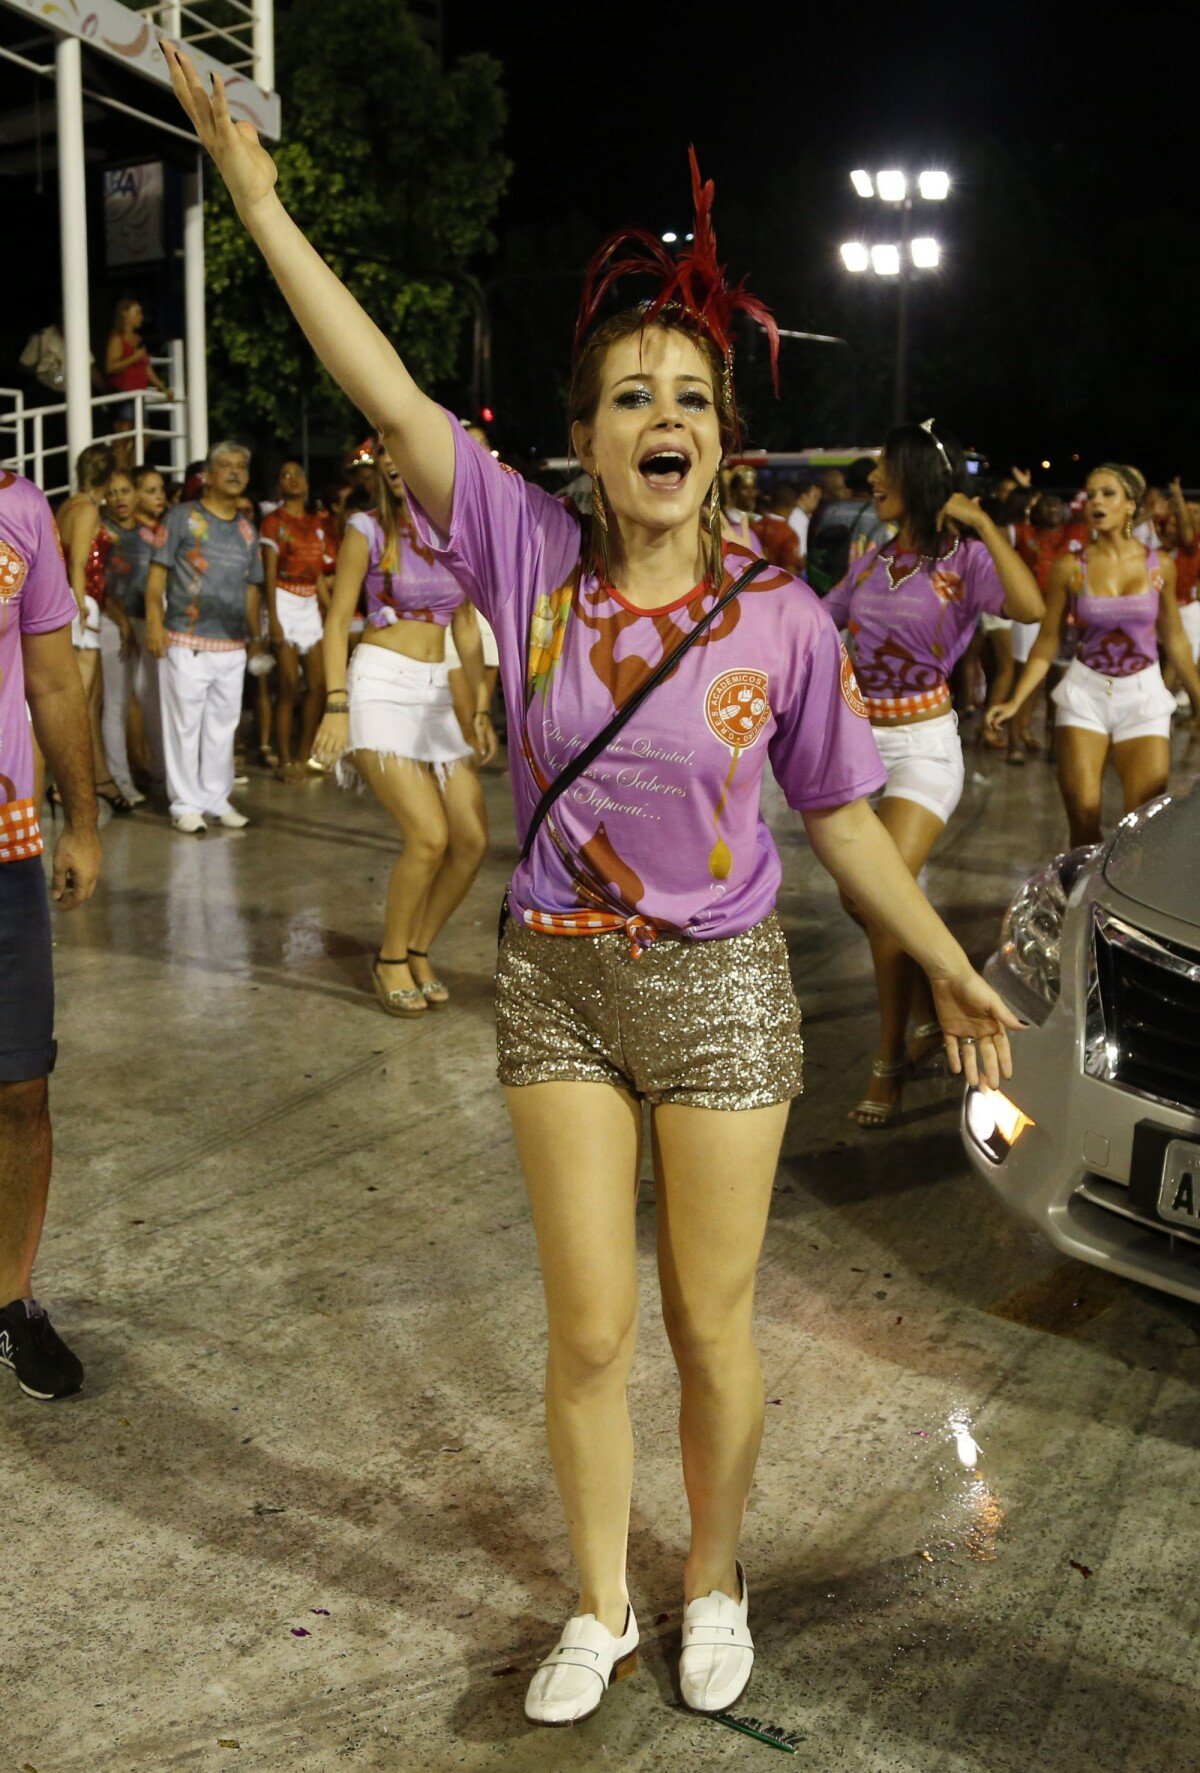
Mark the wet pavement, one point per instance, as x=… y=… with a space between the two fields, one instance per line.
x=302 y=1518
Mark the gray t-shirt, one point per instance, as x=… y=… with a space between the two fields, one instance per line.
x=210 y=561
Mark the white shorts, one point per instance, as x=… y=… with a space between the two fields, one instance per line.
x=491 y=652
x=299 y=618
x=85 y=630
x=400 y=708
x=924 y=762
x=1139 y=706
x=1189 y=615
x=1023 y=636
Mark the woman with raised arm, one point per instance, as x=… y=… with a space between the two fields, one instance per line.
x=642 y=960
x=390 y=723
x=912 y=604
x=1113 y=700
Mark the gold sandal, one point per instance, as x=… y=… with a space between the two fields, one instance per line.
x=874 y=1115
x=399 y=1002
x=929 y=1063
x=432 y=990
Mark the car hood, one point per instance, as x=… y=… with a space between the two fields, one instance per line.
x=1156 y=861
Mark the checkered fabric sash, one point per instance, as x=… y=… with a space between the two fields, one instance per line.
x=904 y=707
x=20 y=831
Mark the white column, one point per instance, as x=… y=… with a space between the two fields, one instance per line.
x=72 y=224
x=264 y=44
x=193 y=305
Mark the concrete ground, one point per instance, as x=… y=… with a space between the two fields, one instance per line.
x=301 y=1517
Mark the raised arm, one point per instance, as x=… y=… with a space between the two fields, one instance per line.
x=354 y=351
x=1022 y=599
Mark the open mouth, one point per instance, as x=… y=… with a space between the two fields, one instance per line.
x=665 y=470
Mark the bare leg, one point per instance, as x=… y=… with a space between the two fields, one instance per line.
x=915 y=830
x=262 y=714
x=579 y=1148
x=93 y=689
x=25 y=1148
x=466 y=822
x=1002 y=681
x=714 y=1173
x=1143 y=766
x=314 y=700
x=410 y=794
x=285 y=703
x=1081 y=754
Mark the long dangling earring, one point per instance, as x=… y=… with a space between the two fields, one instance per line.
x=716 y=540
x=599 y=529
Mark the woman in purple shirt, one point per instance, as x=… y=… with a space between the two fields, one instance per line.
x=911 y=606
x=642 y=959
x=1113 y=699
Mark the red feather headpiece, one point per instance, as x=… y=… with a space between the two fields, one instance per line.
x=692 y=282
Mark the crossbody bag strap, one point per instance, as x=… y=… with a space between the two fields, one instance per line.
x=625 y=713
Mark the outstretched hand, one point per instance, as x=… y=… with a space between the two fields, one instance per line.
x=974 y=1021
x=998 y=715
x=247 y=169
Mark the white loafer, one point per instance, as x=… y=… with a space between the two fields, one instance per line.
x=718 y=1651
x=574 y=1678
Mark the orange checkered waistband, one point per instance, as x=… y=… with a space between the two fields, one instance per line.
x=904 y=707
x=204 y=643
x=20 y=831
x=641 y=931
x=297 y=587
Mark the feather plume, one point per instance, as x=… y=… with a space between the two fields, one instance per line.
x=692 y=281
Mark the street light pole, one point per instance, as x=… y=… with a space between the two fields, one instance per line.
x=900 y=388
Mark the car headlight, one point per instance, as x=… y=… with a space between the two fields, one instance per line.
x=1031 y=934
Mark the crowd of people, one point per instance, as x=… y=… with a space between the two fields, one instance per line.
x=701 y=623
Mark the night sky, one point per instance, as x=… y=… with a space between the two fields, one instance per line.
x=603 y=102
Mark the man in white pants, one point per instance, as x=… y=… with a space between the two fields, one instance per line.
x=202 y=612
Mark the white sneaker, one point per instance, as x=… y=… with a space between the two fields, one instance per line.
x=574 y=1678
x=232 y=820
x=191 y=823
x=718 y=1651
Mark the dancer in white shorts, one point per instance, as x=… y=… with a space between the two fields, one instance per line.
x=911 y=606
x=1113 y=698
x=390 y=723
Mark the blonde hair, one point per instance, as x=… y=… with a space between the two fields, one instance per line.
x=1132 y=479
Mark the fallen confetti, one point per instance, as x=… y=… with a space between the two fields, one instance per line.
x=301 y=1631
x=1083 y=1569
x=321 y=1612
x=922 y=1434
x=267 y=1508
x=928 y=1558
x=774 y=1400
x=768 y=1733
x=228 y=1742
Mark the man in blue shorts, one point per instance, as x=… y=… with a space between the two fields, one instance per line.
x=38 y=669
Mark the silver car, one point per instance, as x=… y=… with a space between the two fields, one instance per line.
x=1096 y=1137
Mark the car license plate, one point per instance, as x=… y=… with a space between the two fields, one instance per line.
x=1179 y=1190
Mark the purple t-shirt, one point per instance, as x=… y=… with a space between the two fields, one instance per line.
x=911 y=618
x=35 y=598
x=419 y=590
x=665 y=826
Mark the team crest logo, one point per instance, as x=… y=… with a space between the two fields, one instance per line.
x=851 y=694
x=736 y=707
x=12 y=572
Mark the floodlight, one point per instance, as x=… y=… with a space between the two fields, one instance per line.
x=934 y=186
x=862 y=183
x=885 y=261
x=925 y=254
x=892 y=186
x=855 y=256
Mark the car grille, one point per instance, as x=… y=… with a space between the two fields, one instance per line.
x=1149 y=992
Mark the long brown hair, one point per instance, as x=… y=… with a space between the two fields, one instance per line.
x=391 y=510
x=583 y=398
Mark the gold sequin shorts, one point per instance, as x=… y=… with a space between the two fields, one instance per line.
x=707 y=1024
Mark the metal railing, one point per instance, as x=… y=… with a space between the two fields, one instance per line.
x=238 y=33
x=33 y=439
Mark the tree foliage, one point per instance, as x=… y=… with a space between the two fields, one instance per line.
x=391 y=167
